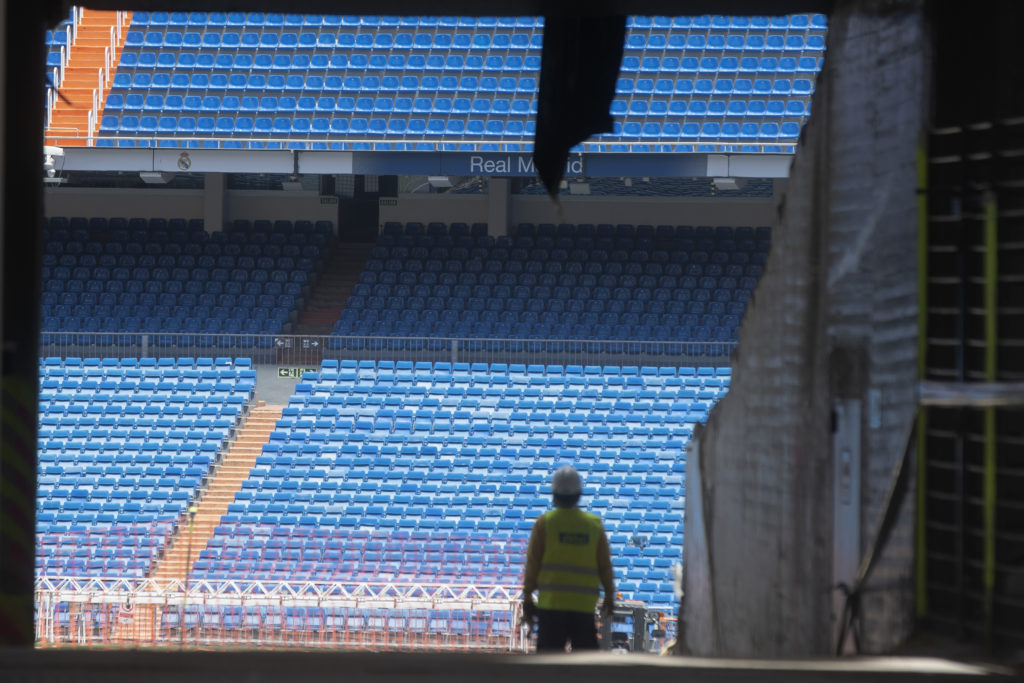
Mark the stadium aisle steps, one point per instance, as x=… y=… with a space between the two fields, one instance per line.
x=85 y=58
x=226 y=481
x=340 y=274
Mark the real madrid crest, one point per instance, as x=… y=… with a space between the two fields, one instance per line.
x=184 y=161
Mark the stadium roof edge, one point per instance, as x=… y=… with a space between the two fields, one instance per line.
x=495 y=164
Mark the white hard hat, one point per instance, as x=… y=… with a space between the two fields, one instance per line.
x=566 y=481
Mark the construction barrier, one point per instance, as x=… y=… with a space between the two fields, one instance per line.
x=230 y=614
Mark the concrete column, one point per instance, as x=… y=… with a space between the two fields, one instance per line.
x=214 y=203
x=498 y=194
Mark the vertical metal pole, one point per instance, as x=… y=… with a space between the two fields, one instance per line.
x=188 y=573
x=991 y=356
x=921 y=531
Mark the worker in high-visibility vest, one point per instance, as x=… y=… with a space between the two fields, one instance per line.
x=568 y=561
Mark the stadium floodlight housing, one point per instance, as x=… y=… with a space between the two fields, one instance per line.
x=155 y=177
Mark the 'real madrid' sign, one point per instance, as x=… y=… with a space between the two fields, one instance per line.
x=516 y=165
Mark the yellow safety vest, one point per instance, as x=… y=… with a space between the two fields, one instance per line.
x=568 y=578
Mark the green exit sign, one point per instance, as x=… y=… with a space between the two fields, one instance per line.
x=294 y=373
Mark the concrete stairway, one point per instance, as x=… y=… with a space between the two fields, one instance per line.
x=225 y=482
x=81 y=78
x=332 y=288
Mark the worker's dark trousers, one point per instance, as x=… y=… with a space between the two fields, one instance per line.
x=555 y=628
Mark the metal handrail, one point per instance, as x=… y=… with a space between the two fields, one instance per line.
x=306 y=351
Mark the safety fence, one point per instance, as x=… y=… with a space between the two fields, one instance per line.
x=306 y=351
x=250 y=614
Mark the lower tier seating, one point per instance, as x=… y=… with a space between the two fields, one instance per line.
x=123 y=447
x=434 y=472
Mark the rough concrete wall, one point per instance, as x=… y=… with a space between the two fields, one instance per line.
x=834 y=315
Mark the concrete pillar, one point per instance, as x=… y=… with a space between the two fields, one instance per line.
x=498 y=195
x=214 y=202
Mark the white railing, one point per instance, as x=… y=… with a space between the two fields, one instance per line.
x=51 y=98
x=119 y=23
x=198 y=612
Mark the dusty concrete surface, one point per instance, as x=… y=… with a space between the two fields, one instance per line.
x=46 y=666
x=272 y=389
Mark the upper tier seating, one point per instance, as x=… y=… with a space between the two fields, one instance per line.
x=120 y=278
x=434 y=473
x=362 y=83
x=615 y=286
x=123 y=447
x=58 y=41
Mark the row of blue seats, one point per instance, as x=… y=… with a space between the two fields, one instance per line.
x=498 y=388
x=311 y=40
x=558 y=268
x=197 y=287
x=272 y=40
x=330 y=62
x=509 y=505
x=267 y=103
x=352 y=342
x=127 y=305
x=149 y=254
x=125 y=290
x=752 y=108
x=414 y=292
x=132 y=278
x=462 y=145
x=369 y=367
x=243 y=19
x=141 y=266
x=204 y=394
x=583 y=230
x=415 y=416
x=562 y=313
x=313 y=93
x=156 y=229
x=215 y=412
x=143 y=80
x=270 y=324
x=657 y=340
x=246 y=125
x=168 y=293
x=213 y=59
x=241 y=272
x=212 y=104
x=165 y=363
x=567 y=286
x=523 y=247
x=408 y=523
x=71 y=480
x=587 y=311
x=137 y=314
x=547 y=317
x=236 y=342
